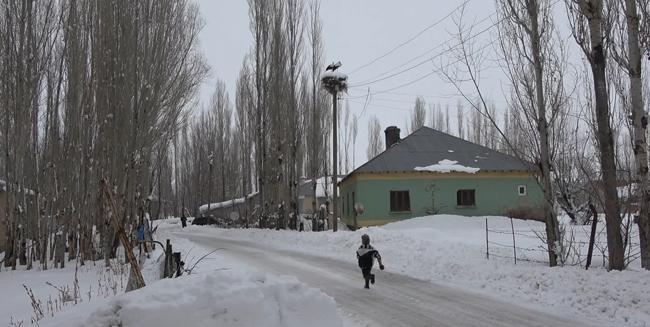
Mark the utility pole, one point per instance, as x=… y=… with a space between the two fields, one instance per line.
x=335 y=170
x=210 y=163
x=334 y=82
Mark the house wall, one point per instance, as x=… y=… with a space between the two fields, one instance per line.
x=3 y=220
x=435 y=193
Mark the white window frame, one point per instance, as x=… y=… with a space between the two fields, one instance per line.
x=520 y=187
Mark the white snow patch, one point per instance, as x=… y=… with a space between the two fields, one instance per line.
x=451 y=249
x=446 y=166
x=236 y=298
x=228 y=203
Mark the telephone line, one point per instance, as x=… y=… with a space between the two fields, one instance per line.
x=411 y=39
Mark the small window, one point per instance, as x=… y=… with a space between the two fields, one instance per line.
x=466 y=198
x=522 y=190
x=400 y=201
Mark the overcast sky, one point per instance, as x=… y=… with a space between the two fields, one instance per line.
x=356 y=32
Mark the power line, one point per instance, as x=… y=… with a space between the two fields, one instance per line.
x=419 y=78
x=417 y=57
x=411 y=39
x=431 y=58
x=367 y=82
x=450 y=49
x=383 y=106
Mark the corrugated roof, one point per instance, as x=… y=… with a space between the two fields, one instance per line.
x=427 y=146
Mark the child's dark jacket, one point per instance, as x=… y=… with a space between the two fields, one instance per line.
x=366 y=255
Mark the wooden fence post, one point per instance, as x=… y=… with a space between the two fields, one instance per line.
x=168 y=259
x=592 y=237
x=487 y=244
x=514 y=246
x=119 y=229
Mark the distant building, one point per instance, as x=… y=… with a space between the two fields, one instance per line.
x=430 y=172
x=234 y=209
x=306 y=194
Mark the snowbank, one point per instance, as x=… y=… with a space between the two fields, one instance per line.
x=446 y=166
x=451 y=249
x=223 y=298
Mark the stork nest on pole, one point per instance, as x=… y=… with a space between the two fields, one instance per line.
x=334 y=81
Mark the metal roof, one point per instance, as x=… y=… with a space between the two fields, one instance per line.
x=427 y=146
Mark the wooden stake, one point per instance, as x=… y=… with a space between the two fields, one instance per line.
x=514 y=246
x=592 y=237
x=487 y=244
x=135 y=267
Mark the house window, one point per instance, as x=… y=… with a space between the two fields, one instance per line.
x=466 y=198
x=400 y=201
x=522 y=190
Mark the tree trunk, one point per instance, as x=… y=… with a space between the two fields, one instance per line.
x=552 y=228
x=639 y=123
x=593 y=11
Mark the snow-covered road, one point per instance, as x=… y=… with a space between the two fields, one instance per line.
x=396 y=300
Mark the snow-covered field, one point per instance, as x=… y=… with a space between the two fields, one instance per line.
x=222 y=291
x=217 y=293
x=452 y=250
x=235 y=298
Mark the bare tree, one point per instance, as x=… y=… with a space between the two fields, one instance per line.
x=314 y=136
x=524 y=24
x=419 y=115
x=354 y=131
x=628 y=58
x=588 y=27
x=375 y=141
x=527 y=37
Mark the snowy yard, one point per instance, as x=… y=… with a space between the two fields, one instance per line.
x=452 y=250
x=221 y=291
x=218 y=293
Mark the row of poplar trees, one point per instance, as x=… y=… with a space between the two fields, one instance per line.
x=107 y=90
x=91 y=90
x=276 y=132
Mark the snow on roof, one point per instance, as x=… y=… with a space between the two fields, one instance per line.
x=227 y=203
x=320 y=185
x=446 y=166
x=426 y=146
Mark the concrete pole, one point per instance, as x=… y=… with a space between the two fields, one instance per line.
x=335 y=165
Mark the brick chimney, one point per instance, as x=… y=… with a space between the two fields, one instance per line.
x=392 y=136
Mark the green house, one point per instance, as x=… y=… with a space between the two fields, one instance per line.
x=430 y=172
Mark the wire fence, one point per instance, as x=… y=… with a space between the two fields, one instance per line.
x=530 y=245
x=500 y=249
